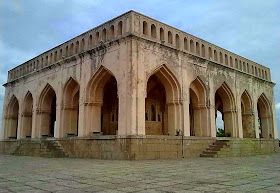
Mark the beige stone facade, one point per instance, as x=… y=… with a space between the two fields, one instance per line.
x=134 y=75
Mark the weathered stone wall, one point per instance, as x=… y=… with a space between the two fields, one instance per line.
x=249 y=147
x=8 y=146
x=137 y=147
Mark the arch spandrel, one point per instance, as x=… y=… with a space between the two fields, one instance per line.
x=247 y=101
x=28 y=102
x=46 y=97
x=199 y=88
x=11 y=105
x=170 y=82
x=227 y=96
x=94 y=92
x=71 y=87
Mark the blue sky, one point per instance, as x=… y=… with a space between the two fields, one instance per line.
x=249 y=28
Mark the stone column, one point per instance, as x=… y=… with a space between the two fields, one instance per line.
x=92 y=118
x=186 y=117
x=257 y=134
x=212 y=110
x=26 y=125
x=239 y=119
x=171 y=108
x=230 y=124
x=274 y=126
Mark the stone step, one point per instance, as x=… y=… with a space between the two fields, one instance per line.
x=41 y=149
x=208 y=155
x=209 y=152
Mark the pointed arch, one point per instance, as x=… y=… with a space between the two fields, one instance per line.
x=265 y=117
x=197 y=109
x=11 y=119
x=70 y=108
x=170 y=82
x=47 y=111
x=247 y=115
x=102 y=103
x=96 y=84
x=27 y=116
x=225 y=103
x=165 y=95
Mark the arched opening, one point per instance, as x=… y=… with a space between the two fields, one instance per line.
x=155 y=108
x=47 y=112
x=77 y=47
x=225 y=103
x=169 y=37
x=104 y=34
x=161 y=34
x=120 y=28
x=265 y=117
x=70 y=108
x=46 y=63
x=109 y=109
x=215 y=56
x=177 y=41
x=197 y=48
x=226 y=59
x=203 y=50
x=210 y=53
x=162 y=107
x=96 y=40
x=230 y=61
x=27 y=116
x=240 y=65
x=145 y=28
x=51 y=61
x=72 y=49
x=247 y=116
x=244 y=67
x=90 y=41
x=153 y=31
x=11 y=119
x=112 y=32
x=236 y=63
x=185 y=43
x=83 y=45
x=198 y=110
x=102 y=109
x=191 y=46
x=221 y=58
x=55 y=56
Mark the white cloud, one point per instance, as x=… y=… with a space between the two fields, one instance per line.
x=277 y=106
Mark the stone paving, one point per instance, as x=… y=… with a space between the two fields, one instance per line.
x=242 y=174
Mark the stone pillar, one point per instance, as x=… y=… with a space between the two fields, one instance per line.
x=34 y=129
x=26 y=125
x=229 y=120
x=274 y=126
x=44 y=122
x=92 y=118
x=239 y=119
x=171 y=108
x=186 y=117
x=212 y=109
x=257 y=134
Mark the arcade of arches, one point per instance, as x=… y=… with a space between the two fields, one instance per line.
x=164 y=109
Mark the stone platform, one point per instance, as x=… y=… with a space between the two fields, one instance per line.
x=138 y=147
